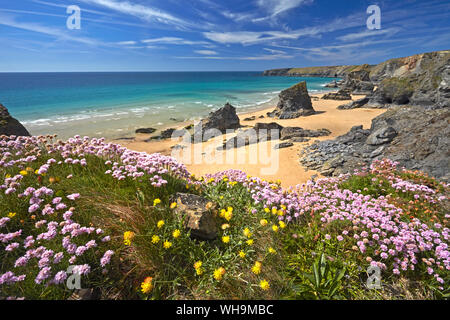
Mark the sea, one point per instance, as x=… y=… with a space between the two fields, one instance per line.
x=115 y=104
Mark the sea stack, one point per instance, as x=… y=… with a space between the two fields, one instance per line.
x=294 y=102
x=10 y=126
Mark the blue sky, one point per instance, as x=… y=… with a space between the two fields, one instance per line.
x=207 y=35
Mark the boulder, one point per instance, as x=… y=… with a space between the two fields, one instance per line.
x=199 y=215
x=10 y=126
x=145 y=130
x=260 y=132
x=250 y=118
x=293 y=103
x=381 y=136
x=283 y=145
x=343 y=94
x=354 y=104
x=221 y=120
x=291 y=132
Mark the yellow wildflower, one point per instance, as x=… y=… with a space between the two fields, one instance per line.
x=250 y=242
x=36 y=171
x=266 y=210
x=23 y=172
x=264 y=284
x=218 y=273
x=167 y=244
x=256 y=269
x=222 y=213
x=274 y=210
x=9 y=176
x=225 y=239
x=11 y=214
x=173 y=205
x=275 y=228
x=29 y=169
x=176 y=233
x=272 y=250
x=156 y=201
x=247 y=233
x=199 y=271
x=197 y=265
x=282 y=224
x=228 y=215
x=225 y=226
x=155 y=239
x=242 y=254
x=263 y=222
x=147 y=286
x=160 y=224
x=127 y=237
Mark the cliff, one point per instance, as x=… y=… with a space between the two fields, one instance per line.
x=325 y=71
x=9 y=125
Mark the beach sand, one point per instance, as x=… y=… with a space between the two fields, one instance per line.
x=283 y=164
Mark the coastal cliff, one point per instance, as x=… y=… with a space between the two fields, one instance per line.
x=325 y=71
x=9 y=125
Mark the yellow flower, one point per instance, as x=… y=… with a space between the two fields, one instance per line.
x=173 y=205
x=250 y=242
x=282 y=224
x=274 y=210
x=256 y=269
x=266 y=210
x=127 y=237
x=225 y=226
x=160 y=224
x=230 y=209
x=156 y=201
x=263 y=222
x=11 y=214
x=9 y=176
x=167 y=244
x=197 y=265
x=225 y=239
x=36 y=171
x=187 y=186
x=23 y=172
x=264 y=284
x=222 y=213
x=218 y=273
x=209 y=205
x=225 y=179
x=199 y=271
x=147 y=286
x=272 y=250
x=29 y=169
x=280 y=212
x=155 y=239
x=228 y=215
x=176 y=233
x=242 y=254
x=247 y=233
x=275 y=228
x=221 y=197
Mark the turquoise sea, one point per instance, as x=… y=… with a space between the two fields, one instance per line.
x=114 y=104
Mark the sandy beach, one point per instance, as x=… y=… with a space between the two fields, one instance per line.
x=201 y=160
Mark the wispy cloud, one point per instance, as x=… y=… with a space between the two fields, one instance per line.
x=368 y=33
x=59 y=34
x=174 y=40
x=206 y=52
x=126 y=43
x=275 y=7
x=59 y=5
x=145 y=13
x=247 y=58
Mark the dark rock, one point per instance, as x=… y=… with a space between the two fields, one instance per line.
x=299 y=139
x=267 y=126
x=198 y=213
x=145 y=130
x=261 y=117
x=220 y=120
x=291 y=132
x=260 y=132
x=10 y=126
x=342 y=94
x=332 y=84
x=381 y=136
x=293 y=103
x=283 y=145
x=168 y=133
x=189 y=126
x=354 y=104
x=250 y=118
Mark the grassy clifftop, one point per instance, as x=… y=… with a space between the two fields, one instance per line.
x=325 y=71
x=108 y=212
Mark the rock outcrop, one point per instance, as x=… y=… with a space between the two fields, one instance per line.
x=417 y=138
x=221 y=120
x=343 y=94
x=198 y=214
x=293 y=102
x=10 y=126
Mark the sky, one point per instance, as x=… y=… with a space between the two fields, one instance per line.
x=213 y=35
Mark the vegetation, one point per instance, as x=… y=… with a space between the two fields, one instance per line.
x=109 y=212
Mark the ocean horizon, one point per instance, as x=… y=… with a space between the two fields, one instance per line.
x=115 y=104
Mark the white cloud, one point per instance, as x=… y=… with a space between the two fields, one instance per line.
x=174 y=40
x=275 y=7
x=126 y=43
x=247 y=58
x=206 y=52
x=59 y=34
x=140 y=11
x=368 y=33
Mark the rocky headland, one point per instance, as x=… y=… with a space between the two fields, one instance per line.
x=9 y=125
